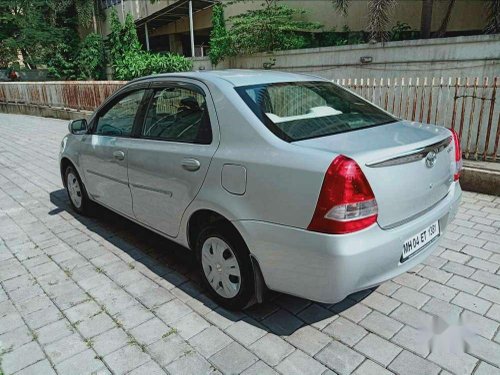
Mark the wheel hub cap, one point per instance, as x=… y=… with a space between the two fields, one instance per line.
x=221 y=267
x=75 y=193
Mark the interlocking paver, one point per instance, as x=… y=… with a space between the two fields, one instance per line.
x=309 y=339
x=75 y=290
x=82 y=363
x=233 y=359
x=190 y=325
x=210 y=341
x=346 y=331
x=413 y=340
x=41 y=367
x=340 y=358
x=378 y=349
x=471 y=302
x=21 y=357
x=259 y=368
x=456 y=363
x=190 y=364
x=168 y=349
x=381 y=324
x=246 y=331
x=410 y=364
x=65 y=348
x=15 y=338
x=272 y=349
x=126 y=359
x=300 y=363
x=369 y=367
x=54 y=331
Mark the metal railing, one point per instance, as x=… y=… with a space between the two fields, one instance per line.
x=464 y=104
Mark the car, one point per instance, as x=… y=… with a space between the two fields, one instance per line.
x=274 y=180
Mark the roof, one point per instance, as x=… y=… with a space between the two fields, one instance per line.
x=240 y=77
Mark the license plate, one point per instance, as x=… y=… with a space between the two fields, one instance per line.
x=418 y=241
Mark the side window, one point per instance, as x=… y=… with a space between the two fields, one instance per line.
x=178 y=114
x=119 y=119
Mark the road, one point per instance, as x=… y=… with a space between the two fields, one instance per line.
x=102 y=295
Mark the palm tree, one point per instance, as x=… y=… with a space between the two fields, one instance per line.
x=493 y=25
x=379 y=12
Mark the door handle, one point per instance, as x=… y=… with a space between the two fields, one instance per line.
x=119 y=155
x=191 y=164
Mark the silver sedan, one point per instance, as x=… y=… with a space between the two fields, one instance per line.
x=274 y=180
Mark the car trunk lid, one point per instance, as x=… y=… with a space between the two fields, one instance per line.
x=409 y=166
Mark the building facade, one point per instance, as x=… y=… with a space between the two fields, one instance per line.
x=164 y=25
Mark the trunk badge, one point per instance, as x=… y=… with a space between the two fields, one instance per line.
x=430 y=159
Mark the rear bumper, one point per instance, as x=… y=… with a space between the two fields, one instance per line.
x=327 y=268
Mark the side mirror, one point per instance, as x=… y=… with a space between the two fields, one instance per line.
x=79 y=126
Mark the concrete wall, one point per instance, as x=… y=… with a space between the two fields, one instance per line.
x=466 y=14
x=471 y=56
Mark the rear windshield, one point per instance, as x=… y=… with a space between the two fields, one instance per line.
x=301 y=110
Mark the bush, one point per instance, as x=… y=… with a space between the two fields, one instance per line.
x=83 y=62
x=219 y=41
x=90 y=58
x=136 y=64
x=130 y=61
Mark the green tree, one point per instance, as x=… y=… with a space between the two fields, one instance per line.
x=272 y=27
x=128 y=59
x=219 y=40
x=493 y=17
x=378 y=16
x=90 y=60
x=38 y=29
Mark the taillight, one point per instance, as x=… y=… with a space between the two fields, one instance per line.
x=346 y=202
x=458 y=156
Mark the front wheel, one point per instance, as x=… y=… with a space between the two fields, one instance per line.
x=226 y=267
x=76 y=191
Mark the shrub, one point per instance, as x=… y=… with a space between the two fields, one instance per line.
x=90 y=59
x=130 y=61
x=219 y=41
x=136 y=64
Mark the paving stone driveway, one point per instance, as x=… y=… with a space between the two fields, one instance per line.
x=102 y=295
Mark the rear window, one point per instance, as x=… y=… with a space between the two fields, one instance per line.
x=301 y=110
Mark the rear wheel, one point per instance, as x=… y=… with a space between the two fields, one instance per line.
x=76 y=191
x=225 y=266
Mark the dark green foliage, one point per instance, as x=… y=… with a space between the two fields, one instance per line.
x=137 y=64
x=336 y=38
x=399 y=31
x=219 y=42
x=33 y=28
x=493 y=17
x=85 y=61
x=90 y=60
x=40 y=29
x=130 y=61
x=273 y=27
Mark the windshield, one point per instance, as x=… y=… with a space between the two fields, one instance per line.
x=301 y=110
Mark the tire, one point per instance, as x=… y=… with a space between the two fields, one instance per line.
x=217 y=267
x=75 y=189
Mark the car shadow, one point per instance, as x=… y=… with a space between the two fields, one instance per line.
x=280 y=314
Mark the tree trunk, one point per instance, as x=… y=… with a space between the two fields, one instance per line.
x=444 y=24
x=426 y=19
